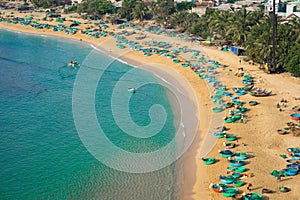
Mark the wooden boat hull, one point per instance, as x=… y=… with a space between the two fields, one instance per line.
x=260 y=95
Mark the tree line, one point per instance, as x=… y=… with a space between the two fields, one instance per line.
x=251 y=30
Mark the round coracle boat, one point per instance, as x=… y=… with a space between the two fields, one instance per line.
x=217 y=109
x=227 y=179
x=253 y=103
x=229 y=192
x=239 y=183
x=236 y=163
x=295 y=116
x=226 y=153
x=253 y=196
x=219 y=135
x=218 y=188
x=230 y=137
x=241 y=156
x=209 y=161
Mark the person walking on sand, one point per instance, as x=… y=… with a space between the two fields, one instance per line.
x=249 y=187
x=279 y=177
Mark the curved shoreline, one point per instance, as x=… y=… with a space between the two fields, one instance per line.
x=134 y=60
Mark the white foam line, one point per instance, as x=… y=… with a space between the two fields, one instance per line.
x=164 y=80
x=14 y=31
x=104 y=51
x=122 y=61
x=96 y=48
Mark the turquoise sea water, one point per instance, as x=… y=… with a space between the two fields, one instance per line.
x=41 y=154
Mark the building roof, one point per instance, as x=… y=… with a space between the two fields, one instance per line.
x=293 y=15
x=204 y=4
x=225 y=7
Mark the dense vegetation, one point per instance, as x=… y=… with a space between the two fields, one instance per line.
x=96 y=8
x=251 y=30
x=134 y=9
x=50 y=3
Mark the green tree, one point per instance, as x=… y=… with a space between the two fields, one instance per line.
x=218 y=24
x=283 y=43
x=183 y=20
x=293 y=65
x=258 y=44
x=44 y=3
x=185 y=6
x=50 y=3
x=201 y=27
x=292 y=61
x=96 y=8
x=189 y=20
x=239 y=26
x=140 y=10
x=162 y=9
x=127 y=9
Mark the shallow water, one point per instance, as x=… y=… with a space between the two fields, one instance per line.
x=41 y=154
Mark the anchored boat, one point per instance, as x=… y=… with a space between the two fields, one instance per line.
x=131 y=90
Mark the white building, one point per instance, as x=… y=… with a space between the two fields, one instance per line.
x=293 y=8
x=269 y=6
x=76 y=2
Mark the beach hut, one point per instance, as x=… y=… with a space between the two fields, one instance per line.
x=237 y=50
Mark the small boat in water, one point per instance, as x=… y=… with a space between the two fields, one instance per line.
x=131 y=90
x=73 y=63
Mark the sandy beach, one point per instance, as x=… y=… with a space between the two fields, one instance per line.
x=259 y=134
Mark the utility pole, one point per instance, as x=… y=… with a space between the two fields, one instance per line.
x=274 y=33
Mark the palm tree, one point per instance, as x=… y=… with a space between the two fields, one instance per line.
x=239 y=26
x=258 y=46
x=126 y=10
x=219 y=23
x=292 y=61
x=189 y=20
x=294 y=32
x=162 y=9
x=288 y=34
x=176 y=19
x=140 y=10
